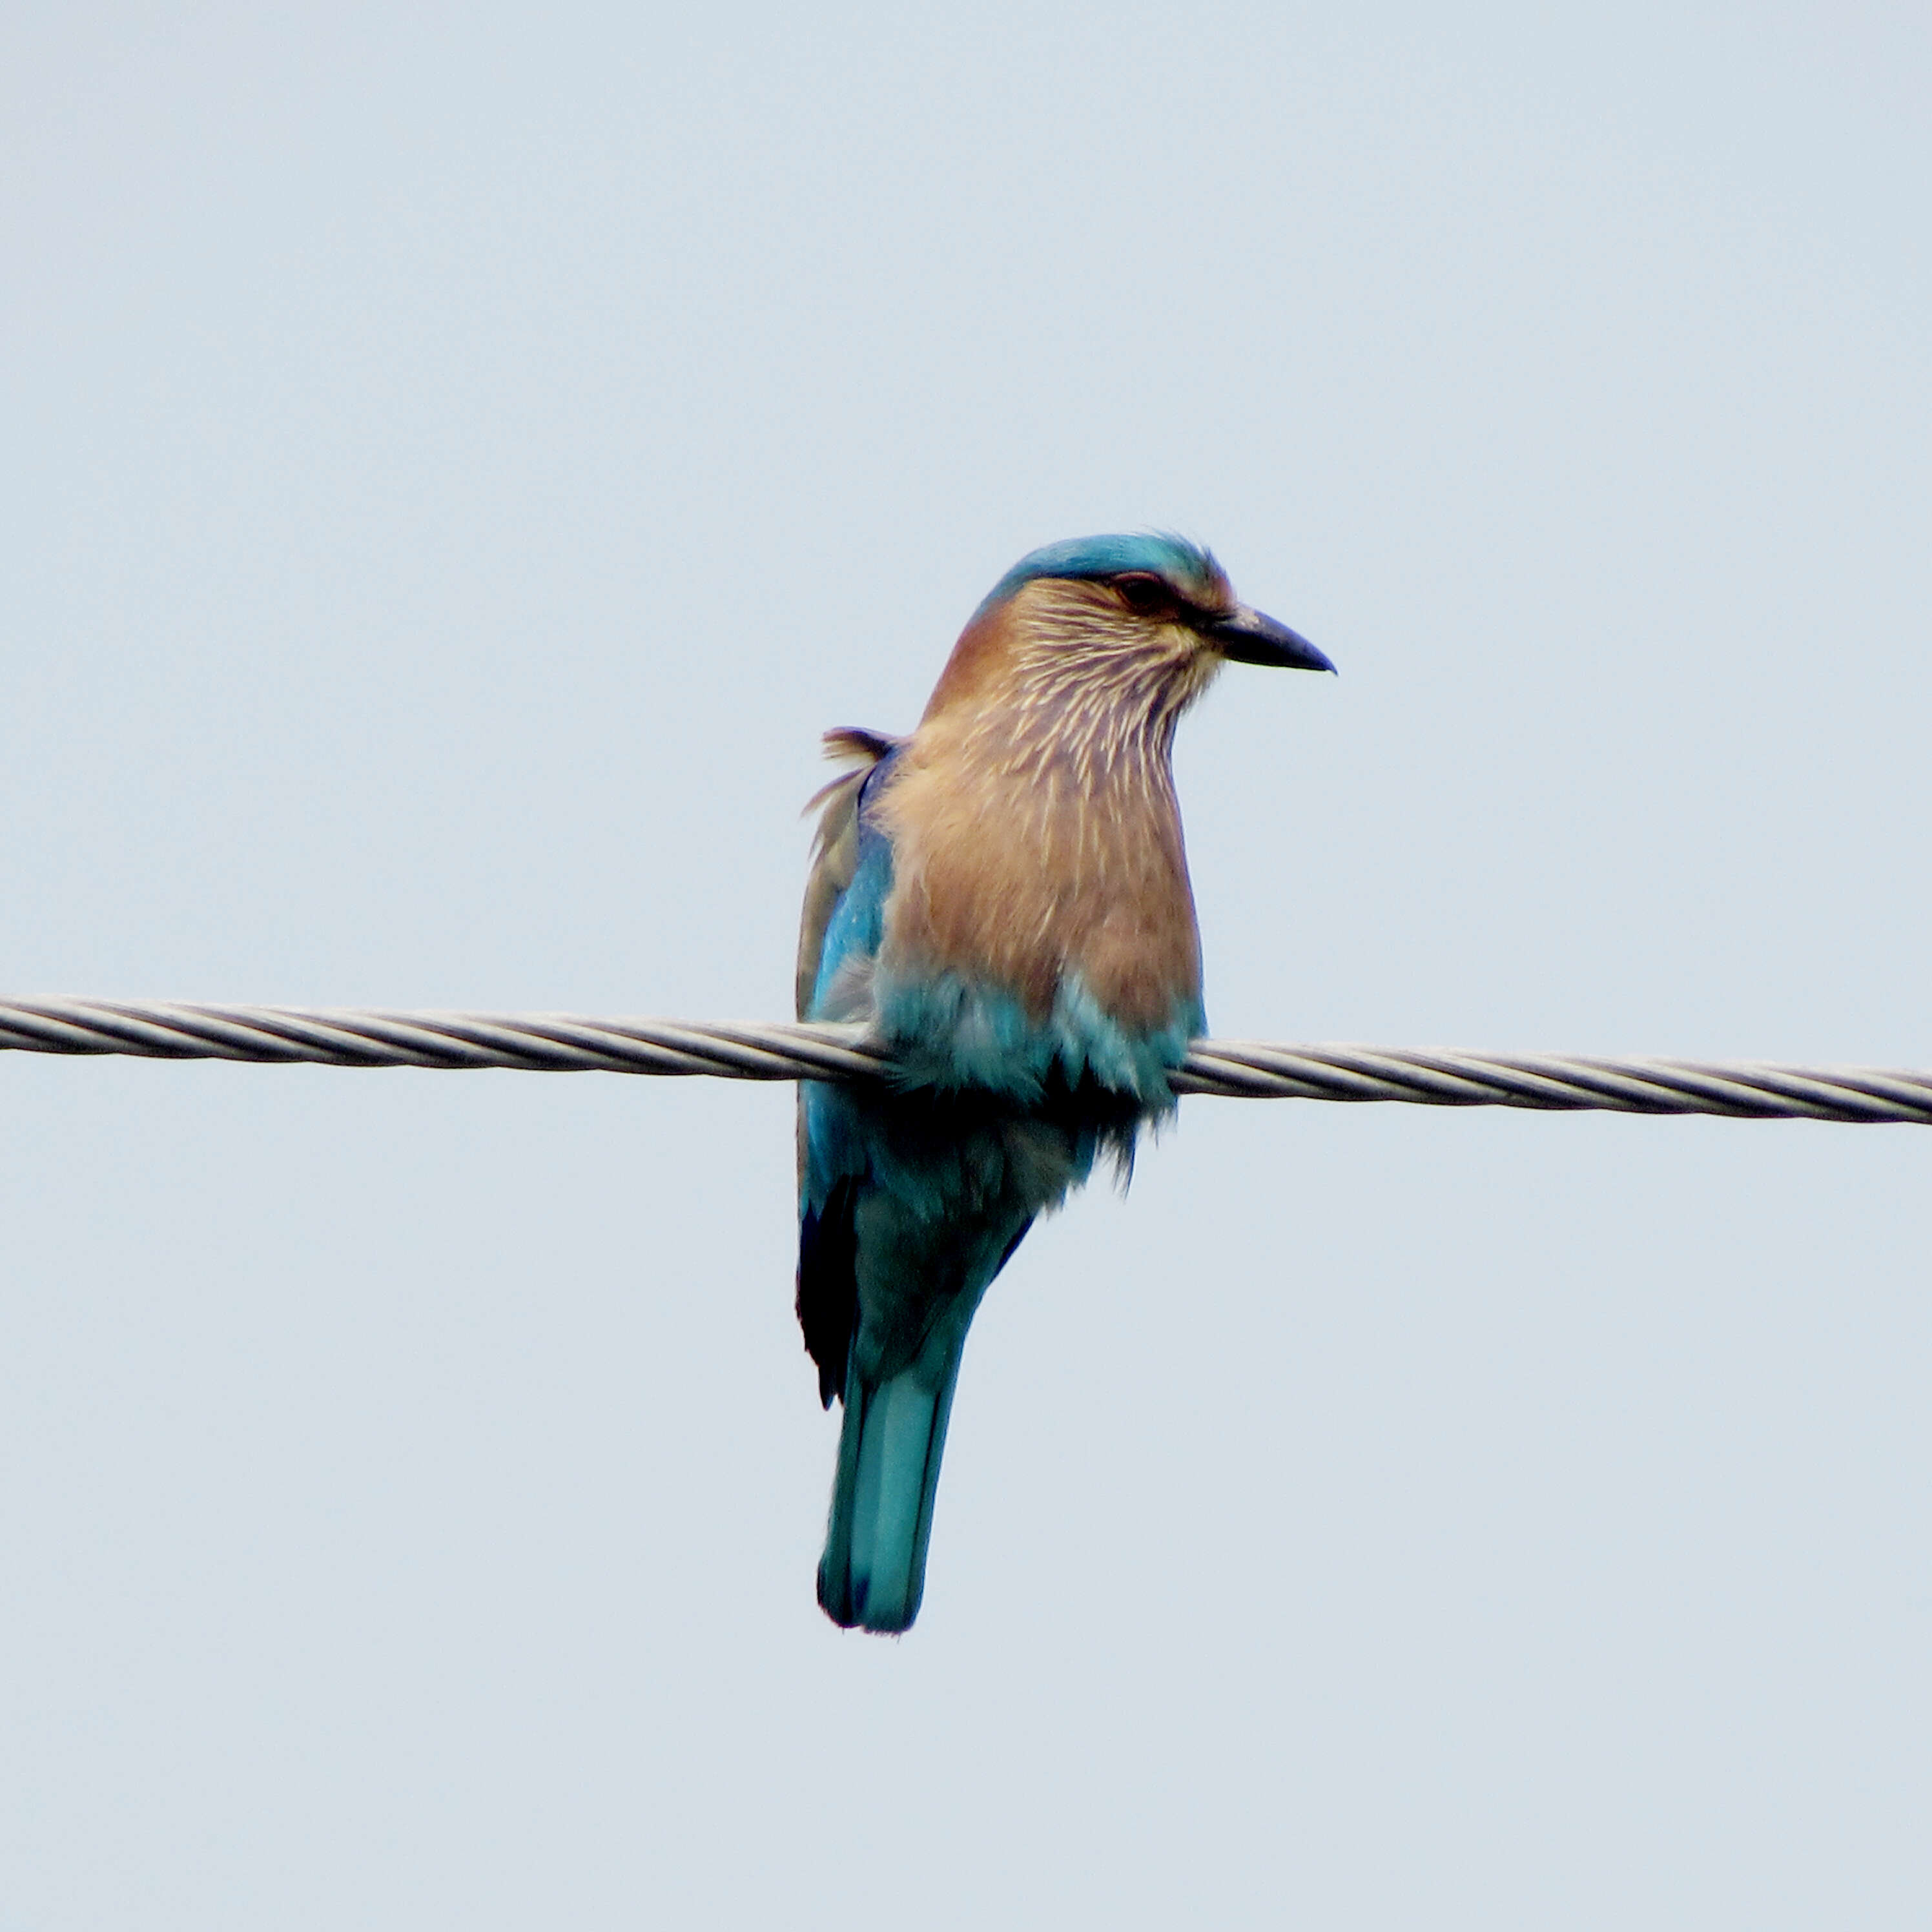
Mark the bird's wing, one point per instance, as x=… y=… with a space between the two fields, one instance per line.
x=845 y=895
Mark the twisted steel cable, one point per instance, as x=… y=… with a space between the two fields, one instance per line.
x=1240 y=1069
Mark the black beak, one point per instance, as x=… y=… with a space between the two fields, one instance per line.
x=1249 y=637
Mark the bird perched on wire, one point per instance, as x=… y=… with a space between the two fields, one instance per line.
x=1003 y=899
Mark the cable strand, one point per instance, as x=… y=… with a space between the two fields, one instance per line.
x=1238 y=1069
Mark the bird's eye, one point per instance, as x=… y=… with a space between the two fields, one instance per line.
x=1145 y=593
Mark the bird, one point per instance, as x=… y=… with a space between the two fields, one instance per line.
x=1001 y=899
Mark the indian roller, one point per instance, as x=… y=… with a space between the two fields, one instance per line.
x=1002 y=899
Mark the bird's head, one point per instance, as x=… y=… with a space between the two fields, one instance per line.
x=1149 y=617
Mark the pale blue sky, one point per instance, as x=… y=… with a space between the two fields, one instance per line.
x=459 y=459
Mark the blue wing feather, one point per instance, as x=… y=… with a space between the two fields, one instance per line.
x=845 y=901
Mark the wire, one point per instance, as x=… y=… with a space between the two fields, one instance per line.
x=1240 y=1070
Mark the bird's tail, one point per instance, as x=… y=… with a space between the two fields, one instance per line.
x=873 y=1572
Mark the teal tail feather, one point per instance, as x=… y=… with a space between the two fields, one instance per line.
x=873 y=1572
